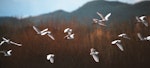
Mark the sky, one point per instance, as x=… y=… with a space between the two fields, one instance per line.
x=24 y=8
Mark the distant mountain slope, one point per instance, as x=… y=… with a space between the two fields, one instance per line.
x=7 y=19
x=85 y=14
x=60 y=14
x=142 y=8
x=120 y=11
x=89 y=10
x=13 y=21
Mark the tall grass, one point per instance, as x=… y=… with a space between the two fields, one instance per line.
x=75 y=53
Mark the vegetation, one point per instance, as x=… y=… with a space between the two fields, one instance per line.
x=75 y=53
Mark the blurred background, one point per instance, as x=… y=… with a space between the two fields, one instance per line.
x=18 y=16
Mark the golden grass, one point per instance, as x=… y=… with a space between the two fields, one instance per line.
x=75 y=53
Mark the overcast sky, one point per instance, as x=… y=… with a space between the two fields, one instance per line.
x=35 y=7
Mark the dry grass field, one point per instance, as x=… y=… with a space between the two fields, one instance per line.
x=75 y=53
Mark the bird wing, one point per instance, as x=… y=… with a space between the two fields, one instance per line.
x=9 y=52
x=96 y=58
x=51 y=36
x=15 y=43
x=4 y=38
x=102 y=24
x=96 y=52
x=137 y=18
x=52 y=60
x=142 y=18
x=100 y=15
x=36 y=29
x=113 y=42
x=145 y=23
x=120 y=46
x=120 y=35
x=66 y=30
x=72 y=35
x=139 y=36
x=124 y=36
x=107 y=16
x=48 y=57
x=2 y=42
x=44 y=30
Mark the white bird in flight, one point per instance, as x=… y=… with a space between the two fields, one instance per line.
x=141 y=19
x=6 y=53
x=103 y=19
x=50 y=57
x=141 y=38
x=118 y=43
x=70 y=34
x=44 y=32
x=9 y=42
x=123 y=35
x=94 y=54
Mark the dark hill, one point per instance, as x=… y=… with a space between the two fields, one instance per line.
x=85 y=14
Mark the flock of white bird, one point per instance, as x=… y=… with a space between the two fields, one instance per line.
x=70 y=35
x=8 y=52
x=117 y=42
